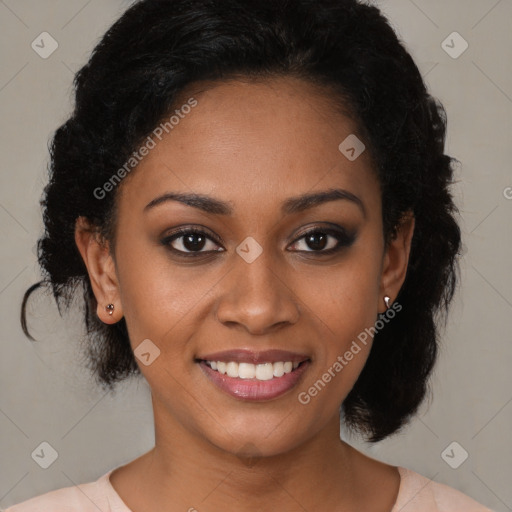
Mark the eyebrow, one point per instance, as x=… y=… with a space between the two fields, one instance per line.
x=291 y=205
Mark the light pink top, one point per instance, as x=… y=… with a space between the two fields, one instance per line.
x=416 y=494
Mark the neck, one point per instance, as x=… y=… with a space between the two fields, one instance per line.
x=193 y=474
x=184 y=467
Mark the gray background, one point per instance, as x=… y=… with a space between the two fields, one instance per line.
x=47 y=395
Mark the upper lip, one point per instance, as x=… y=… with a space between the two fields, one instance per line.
x=255 y=357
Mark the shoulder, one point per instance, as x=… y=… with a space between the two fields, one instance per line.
x=87 y=497
x=419 y=494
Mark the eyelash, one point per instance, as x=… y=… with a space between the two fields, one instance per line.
x=344 y=240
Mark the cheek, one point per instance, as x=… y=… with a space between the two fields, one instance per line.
x=161 y=300
x=151 y=304
x=347 y=295
x=345 y=305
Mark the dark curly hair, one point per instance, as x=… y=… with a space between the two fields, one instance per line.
x=132 y=81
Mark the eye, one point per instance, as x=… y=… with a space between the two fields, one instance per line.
x=190 y=241
x=324 y=240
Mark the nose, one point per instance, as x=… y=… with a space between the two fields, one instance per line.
x=257 y=296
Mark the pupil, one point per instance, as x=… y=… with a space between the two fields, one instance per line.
x=317 y=240
x=191 y=245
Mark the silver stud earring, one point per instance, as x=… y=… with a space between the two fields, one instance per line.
x=386 y=301
x=110 y=308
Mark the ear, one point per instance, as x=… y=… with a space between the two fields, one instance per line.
x=100 y=265
x=396 y=259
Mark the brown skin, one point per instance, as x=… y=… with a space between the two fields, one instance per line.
x=253 y=145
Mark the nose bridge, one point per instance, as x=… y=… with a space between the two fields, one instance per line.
x=255 y=293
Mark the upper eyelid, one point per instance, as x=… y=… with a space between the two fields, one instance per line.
x=205 y=231
x=327 y=229
x=183 y=230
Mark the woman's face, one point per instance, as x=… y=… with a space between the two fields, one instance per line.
x=267 y=272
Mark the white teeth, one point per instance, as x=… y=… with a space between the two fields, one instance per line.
x=232 y=369
x=246 y=371
x=278 y=369
x=264 y=371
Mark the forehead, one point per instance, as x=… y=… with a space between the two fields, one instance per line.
x=254 y=141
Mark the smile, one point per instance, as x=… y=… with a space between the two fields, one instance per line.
x=254 y=376
x=264 y=371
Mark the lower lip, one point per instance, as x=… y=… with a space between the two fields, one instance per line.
x=253 y=389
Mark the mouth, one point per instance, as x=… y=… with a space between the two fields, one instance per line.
x=263 y=371
x=254 y=376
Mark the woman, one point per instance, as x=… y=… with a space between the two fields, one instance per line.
x=255 y=198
